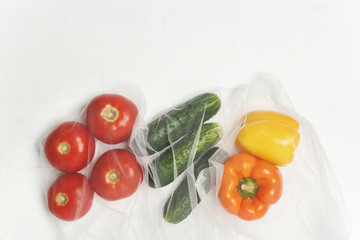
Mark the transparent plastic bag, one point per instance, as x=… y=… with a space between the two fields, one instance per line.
x=309 y=208
x=90 y=216
x=183 y=163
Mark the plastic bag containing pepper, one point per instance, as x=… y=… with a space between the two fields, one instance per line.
x=277 y=174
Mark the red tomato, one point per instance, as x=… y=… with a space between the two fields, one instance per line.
x=111 y=118
x=70 y=197
x=116 y=175
x=70 y=147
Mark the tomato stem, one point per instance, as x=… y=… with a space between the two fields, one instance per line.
x=64 y=148
x=247 y=187
x=113 y=176
x=61 y=199
x=109 y=113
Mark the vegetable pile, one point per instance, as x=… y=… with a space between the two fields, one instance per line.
x=183 y=137
x=70 y=147
x=181 y=144
x=251 y=182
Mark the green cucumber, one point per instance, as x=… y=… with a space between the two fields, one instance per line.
x=178 y=206
x=162 y=171
x=186 y=117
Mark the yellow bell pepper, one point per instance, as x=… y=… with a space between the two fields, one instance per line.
x=271 y=136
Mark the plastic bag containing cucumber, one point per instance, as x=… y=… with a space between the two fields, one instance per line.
x=235 y=164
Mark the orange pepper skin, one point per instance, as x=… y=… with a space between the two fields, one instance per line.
x=243 y=167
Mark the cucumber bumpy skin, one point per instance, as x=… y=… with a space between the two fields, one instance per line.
x=186 y=117
x=178 y=206
x=162 y=171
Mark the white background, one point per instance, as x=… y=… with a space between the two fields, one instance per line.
x=56 y=55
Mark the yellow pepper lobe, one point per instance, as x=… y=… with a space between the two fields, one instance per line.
x=270 y=136
x=271 y=116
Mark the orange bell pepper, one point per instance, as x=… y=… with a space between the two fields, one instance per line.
x=249 y=186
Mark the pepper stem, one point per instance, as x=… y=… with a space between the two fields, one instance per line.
x=247 y=187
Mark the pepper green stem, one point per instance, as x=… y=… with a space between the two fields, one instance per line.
x=247 y=187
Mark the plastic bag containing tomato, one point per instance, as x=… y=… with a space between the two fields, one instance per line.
x=235 y=164
x=91 y=177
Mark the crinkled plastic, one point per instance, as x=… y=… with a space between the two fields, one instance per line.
x=309 y=208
